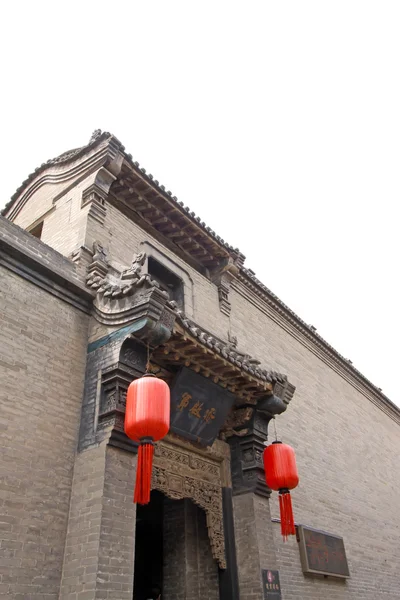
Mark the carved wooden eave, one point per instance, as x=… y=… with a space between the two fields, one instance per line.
x=117 y=179
x=142 y=198
x=215 y=359
x=120 y=180
x=182 y=470
x=133 y=296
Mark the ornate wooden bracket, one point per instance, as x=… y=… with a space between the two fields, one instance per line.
x=223 y=279
x=246 y=430
x=182 y=474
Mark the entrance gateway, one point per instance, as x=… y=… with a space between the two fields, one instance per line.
x=194 y=539
x=182 y=530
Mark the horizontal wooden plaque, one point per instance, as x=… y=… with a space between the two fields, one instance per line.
x=199 y=407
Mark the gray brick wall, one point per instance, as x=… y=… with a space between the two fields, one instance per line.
x=118 y=524
x=347 y=448
x=254 y=543
x=347 y=453
x=100 y=544
x=56 y=195
x=79 y=575
x=47 y=255
x=42 y=365
x=64 y=225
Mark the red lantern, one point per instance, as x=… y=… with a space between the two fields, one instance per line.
x=146 y=421
x=281 y=476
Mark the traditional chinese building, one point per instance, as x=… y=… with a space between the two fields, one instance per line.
x=101 y=269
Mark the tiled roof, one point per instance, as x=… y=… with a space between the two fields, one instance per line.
x=97 y=137
x=181 y=205
x=246 y=275
x=65 y=157
x=229 y=352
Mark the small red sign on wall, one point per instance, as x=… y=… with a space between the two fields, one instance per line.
x=271 y=585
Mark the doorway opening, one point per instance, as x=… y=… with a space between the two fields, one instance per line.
x=149 y=547
x=173 y=552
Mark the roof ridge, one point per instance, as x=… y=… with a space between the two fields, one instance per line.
x=227 y=349
x=151 y=179
x=312 y=333
x=64 y=157
x=99 y=135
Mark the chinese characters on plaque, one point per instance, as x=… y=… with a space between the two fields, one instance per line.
x=322 y=553
x=196 y=408
x=199 y=407
x=271 y=585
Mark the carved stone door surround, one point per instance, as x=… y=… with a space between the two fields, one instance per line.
x=182 y=470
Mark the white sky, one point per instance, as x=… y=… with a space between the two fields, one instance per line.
x=276 y=122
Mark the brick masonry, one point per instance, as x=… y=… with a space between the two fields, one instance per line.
x=347 y=451
x=58 y=200
x=42 y=366
x=254 y=543
x=347 y=447
x=325 y=414
x=20 y=241
x=100 y=544
x=117 y=534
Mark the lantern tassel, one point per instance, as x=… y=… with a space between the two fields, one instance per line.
x=143 y=473
x=287 y=518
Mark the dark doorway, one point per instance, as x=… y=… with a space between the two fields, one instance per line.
x=149 y=547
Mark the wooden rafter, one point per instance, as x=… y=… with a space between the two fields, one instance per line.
x=158 y=212
x=183 y=349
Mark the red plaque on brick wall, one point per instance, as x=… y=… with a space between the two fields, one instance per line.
x=271 y=585
x=322 y=553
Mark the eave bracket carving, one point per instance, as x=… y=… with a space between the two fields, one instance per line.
x=179 y=474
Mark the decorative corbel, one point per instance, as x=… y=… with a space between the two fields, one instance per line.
x=246 y=431
x=223 y=279
x=122 y=298
x=95 y=195
x=283 y=391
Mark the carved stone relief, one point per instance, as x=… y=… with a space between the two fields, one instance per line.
x=236 y=421
x=99 y=266
x=115 y=381
x=128 y=296
x=179 y=473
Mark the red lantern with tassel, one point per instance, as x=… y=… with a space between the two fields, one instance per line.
x=281 y=476
x=147 y=419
